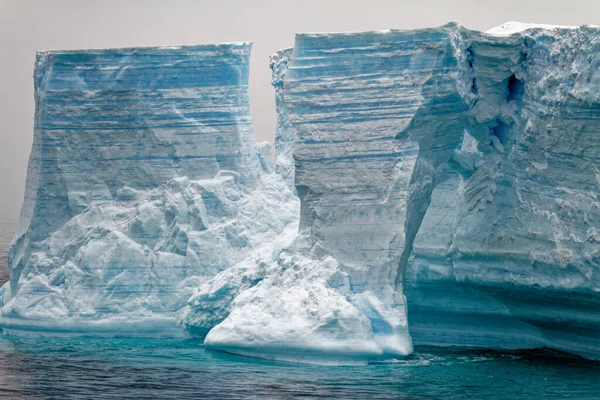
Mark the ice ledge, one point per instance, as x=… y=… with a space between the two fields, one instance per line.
x=157 y=326
x=225 y=46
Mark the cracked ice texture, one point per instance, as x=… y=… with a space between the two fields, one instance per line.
x=144 y=182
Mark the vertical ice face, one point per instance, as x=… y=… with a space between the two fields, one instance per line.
x=378 y=115
x=144 y=182
x=111 y=120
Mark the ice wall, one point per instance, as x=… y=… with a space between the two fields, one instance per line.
x=144 y=182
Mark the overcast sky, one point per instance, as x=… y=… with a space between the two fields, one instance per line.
x=28 y=25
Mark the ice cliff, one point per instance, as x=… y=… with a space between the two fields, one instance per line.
x=144 y=182
x=436 y=186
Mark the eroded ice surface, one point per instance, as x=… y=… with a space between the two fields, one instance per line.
x=507 y=255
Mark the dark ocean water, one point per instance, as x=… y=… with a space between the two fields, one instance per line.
x=183 y=369
x=86 y=368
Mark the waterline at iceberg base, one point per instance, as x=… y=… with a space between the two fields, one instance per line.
x=436 y=186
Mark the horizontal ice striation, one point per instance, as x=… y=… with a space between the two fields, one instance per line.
x=144 y=182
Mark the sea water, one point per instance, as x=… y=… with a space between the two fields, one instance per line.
x=121 y=368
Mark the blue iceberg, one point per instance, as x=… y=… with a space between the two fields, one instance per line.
x=144 y=181
x=436 y=186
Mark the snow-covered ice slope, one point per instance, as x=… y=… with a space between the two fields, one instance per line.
x=144 y=182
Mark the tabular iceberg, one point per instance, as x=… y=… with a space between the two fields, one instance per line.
x=435 y=186
x=144 y=182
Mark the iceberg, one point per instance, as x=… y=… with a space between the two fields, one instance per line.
x=456 y=167
x=437 y=186
x=144 y=182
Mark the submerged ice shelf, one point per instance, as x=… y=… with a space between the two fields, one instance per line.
x=436 y=186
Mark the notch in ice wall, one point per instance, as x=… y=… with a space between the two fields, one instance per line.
x=286 y=133
x=144 y=181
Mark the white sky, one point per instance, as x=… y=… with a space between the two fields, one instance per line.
x=28 y=25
